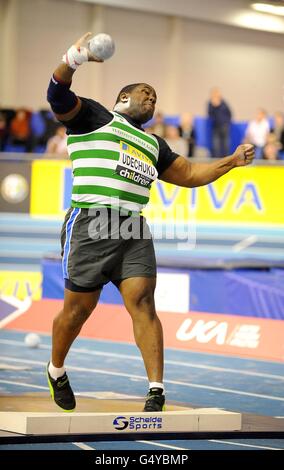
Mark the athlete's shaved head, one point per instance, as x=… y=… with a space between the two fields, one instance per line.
x=130 y=88
x=138 y=101
x=126 y=89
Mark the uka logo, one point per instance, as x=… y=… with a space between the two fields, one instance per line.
x=242 y=336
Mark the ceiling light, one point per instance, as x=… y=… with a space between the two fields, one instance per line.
x=268 y=8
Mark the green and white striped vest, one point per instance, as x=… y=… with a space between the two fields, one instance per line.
x=113 y=166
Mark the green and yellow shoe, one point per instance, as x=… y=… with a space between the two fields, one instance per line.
x=155 y=400
x=61 y=392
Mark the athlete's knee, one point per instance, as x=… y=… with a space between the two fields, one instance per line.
x=144 y=300
x=76 y=314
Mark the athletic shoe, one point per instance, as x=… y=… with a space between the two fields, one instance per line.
x=155 y=400
x=61 y=392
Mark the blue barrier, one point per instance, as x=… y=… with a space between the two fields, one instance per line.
x=244 y=292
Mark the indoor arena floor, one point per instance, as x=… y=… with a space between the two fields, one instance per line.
x=100 y=369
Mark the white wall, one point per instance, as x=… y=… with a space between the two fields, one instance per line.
x=230 y=12
x=182 y=59
x=247 y=65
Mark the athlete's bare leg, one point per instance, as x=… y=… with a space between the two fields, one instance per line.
x=67 y=324
x=138 y=297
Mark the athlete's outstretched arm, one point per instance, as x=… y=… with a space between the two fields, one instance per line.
x=64 y=103
x=184 y=173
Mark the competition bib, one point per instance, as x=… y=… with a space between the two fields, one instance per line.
x=135 y=166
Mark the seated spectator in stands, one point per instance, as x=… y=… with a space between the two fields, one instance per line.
x=50 y=124
x=271 y=148
x=257 y=132
x=57 y=145
x=158 y=127
x=3 y=132
x=175 y=141
x=278 y=128
x=270 y=151
x=187 y=132
x=149 y=130
x=20 y=132
x=220 y=114
x=201 y=152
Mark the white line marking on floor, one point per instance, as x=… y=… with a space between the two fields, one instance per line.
x=243 y=445
x=143 y=377
x=245 y=243
x=108 y=395
x=83 y=446
x=168 y=446
x=23 y=384
x=167 y=362
x=10 y=367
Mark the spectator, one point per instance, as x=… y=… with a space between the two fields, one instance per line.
x=20 y=132
x=271 y=147
x=257 y=132
x=51 y=125
x=3 y=132
x=220 y=115
x=187 y=132
x=57 y=144
x=175 y=141
x=158 y=127
x=278 y=129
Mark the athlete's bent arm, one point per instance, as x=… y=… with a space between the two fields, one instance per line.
x=64 y=103
x=189 y=175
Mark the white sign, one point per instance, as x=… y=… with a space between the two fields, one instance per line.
x=172 y=292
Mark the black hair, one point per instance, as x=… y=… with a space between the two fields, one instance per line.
x=127 y=89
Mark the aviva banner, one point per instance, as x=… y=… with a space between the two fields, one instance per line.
x=51 y=187
x=244 y=195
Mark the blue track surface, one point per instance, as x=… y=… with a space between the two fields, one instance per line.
x=24 y=240
x=203 y=380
